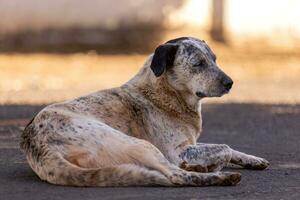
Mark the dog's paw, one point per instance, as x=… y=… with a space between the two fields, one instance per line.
x=195 y=168
x=230 y=178
x=200 y=168
x=256 y=163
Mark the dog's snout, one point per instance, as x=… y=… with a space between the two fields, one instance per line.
x=227 y=83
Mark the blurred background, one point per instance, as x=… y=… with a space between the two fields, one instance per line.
x=53 y=50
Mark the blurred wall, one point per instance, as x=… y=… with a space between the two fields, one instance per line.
x=117 y=26
x=274 y=20
x=23 y=15
x=51 y=23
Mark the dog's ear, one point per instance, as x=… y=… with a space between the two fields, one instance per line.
x=163 y=58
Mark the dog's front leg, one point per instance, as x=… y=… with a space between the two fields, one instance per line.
x=205 y=157
x=213 y=157
x=248 y=161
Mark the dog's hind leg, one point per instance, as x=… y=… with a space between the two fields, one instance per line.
x=148 y=166
x=60 y=171
x=148 y=155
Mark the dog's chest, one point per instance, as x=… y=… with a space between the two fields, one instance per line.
x=169 y=133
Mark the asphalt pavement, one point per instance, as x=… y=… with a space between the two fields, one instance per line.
x=269 y=131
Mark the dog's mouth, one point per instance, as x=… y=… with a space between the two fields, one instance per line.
x=218 y=94
x=226 y=90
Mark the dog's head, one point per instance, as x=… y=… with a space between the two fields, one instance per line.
x=190 y=66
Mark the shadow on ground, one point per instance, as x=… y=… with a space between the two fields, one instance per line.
x=270 y=131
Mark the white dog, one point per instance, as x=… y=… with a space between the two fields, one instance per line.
x=142 y=133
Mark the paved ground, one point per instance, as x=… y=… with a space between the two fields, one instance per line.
x=270 y=131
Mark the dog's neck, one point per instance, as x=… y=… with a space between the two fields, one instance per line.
x=165 y=97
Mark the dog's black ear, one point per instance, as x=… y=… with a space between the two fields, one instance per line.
x=163 y=58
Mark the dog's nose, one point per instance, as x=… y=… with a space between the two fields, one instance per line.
x=227 y=83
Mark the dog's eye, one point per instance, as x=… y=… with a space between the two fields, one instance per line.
x=200 y=63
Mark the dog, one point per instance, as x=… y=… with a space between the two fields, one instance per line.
x=143 y=133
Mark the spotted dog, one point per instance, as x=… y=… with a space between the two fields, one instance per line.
x=142 y=133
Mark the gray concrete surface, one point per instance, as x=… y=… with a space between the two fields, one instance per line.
x=269 y=131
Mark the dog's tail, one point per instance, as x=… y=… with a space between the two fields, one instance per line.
x=62 y=172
